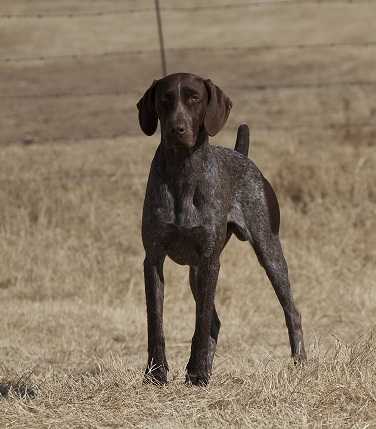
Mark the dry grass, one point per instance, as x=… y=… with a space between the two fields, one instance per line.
x=72 y=290
x=71 y=285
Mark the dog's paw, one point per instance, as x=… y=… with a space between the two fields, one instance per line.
x=156 y=375
x=299 y=359
x=158 y=379
x=197 y=379
x=299 y=355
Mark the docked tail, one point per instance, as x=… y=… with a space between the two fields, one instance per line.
x=242 y=140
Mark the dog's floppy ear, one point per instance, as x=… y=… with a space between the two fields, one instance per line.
x=147 y=115
x=218 y=109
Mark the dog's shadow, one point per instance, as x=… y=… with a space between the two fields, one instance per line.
x=18 y=390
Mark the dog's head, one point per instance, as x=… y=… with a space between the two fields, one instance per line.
x=185 y=104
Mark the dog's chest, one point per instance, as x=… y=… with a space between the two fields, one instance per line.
x=184 y=223
x=181 y=209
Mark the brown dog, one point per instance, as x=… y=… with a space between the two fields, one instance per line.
x=197 y=196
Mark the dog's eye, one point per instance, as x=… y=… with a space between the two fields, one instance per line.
x=166 y=100
x=194 y=99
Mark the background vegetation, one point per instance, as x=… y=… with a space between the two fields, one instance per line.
x=74 y=166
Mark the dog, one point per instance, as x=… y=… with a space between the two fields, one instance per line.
x=197 y=196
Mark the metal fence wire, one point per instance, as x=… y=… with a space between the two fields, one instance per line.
x=158 y=10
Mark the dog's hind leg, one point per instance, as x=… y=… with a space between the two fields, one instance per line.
x=215 y=322
x=272 y=259
x=242 y=140
x=264 y=230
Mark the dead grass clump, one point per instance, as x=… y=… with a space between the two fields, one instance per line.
x=71 y=280
x=17 y=387
x=335 y=389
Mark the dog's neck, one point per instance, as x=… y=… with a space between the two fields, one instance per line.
x=181 y=170
x=179 y=163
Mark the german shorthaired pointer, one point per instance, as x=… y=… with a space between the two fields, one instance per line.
x=197 y=196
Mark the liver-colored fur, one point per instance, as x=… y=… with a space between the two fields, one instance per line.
x=197 y=196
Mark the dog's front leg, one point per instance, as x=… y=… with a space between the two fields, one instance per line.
x=156 y=370
x=198 y=368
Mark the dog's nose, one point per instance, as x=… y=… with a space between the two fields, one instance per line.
x=179 y=129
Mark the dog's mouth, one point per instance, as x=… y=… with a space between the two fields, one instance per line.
x=186 y=140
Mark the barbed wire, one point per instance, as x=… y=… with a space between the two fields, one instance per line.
x=257 y=87
x=335 y=127
x=345 y=127
x=69 y=94
x=326 y=127
x=245 y=87
x=138 y=52
x=73 y=177
x=197 y=8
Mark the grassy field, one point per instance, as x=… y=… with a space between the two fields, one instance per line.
x=71 y=283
